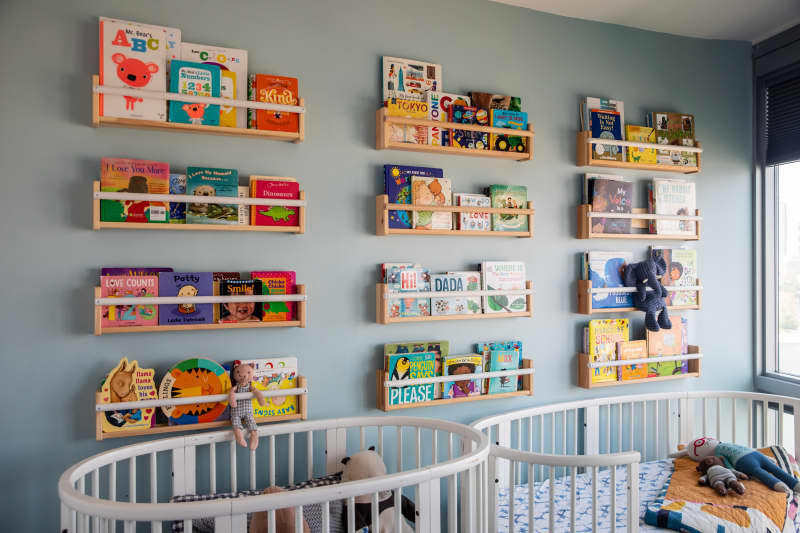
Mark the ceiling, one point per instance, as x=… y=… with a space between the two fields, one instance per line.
x=740 y=20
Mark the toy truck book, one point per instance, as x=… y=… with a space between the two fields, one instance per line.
x=515 y=120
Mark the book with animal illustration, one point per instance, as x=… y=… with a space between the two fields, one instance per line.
x=206 y=181
x=216 y=277
x=271 y=89
x=411 y=279
x=431 y=191
x=456 y=282
x=274 y=215
x=397 y=186
x=604 y=270
x=501 y=102
x=134 y=176
x=509 y=197
x=675 y=129
x=642 y=134
x=514 y=120
x=177 y=210
x=133 y=271
x=632 y=350
x=455 y=365
x=440 y=348
x=277 y=282
x=476 y=140
x=185 y=284
x=503 y=275
x=487 y=348
x=411 y=365
x=409 y=79
x=672 y=197
x=240 y=311
x=681 y=272
x=127 y=382
x=128 y=287
x=604 y=334
x=196 y=376
x=667 y=342
x=273 y=374
x=134 y=56
x=196 y=79
x=233 y=82
x=609 y=194
x=473 y=221
x=408 y=109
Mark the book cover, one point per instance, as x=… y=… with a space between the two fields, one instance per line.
x=490 y=101
x=138 y=271
x=606 y=125
x=185 y=284
x=605 y=271
x=502 y=360
x=509 y=197
x=195 y=377
x=386 y=267
x=665 y=341
x=409 y=79
x=436 y=114
x=240 y=311
x=455 y=365
x=476 y=140
x=243 y=210
x=397 y=186
x=233 y=82
x=456 y=282
x=485 y=349
x=128 y=287
x=604 y=334
x=632 y=350
x=134 y=56
x=277 y=282
x=408 y=280
x=177 y=210
x=610 y=194
x=273 y=374
x=503 y=275
x=676 y=129
x=446 y=101
x=216 y=277
x=642 y=134
x=431 y=191
x=205 y=181
x=127 y=382
x=681 y=272
x=473 y=221
x=411 y=366
x=515 y=120
x=674 y=197
x=134 y=176
x=440 y=348
x=607 y=104
x=281 y=90
x=196 y=79
x=407 y=109
x=274 y=187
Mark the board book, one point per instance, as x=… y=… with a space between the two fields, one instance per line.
x=128 y=287
x=127 y=382
x=273 y=374
x=499 y=356
x=196 y=79
x=632 y=350
x=456 y=282
x=604 y=334
x=675 y=129
x=397 y=186
x=274 y=187
x=411 y=365
x=134 y=176
x=410 y=279
x=233 y=82
x=137 y=271
x=503 y=275
x=441 y=349
x=455 y=365
x=681 y=272
x=515 y=120
x=509 y=197
x=473 y=221
x=216 y=277
x=642 y=134
x=195 y=377
x=485 y=349
x=409 y=79
x=672 y=197
x=609 y=194
x=277 y=282
x=666 y=341
x=431 y=191
x=206 y=181
x=177 y=210
x=185 y=284
x=446 y=101
x=271 y=89
x=240 y=311
x=476 y=140
x=604 y=270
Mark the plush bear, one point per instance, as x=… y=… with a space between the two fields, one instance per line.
x=719 y=478
x=284 y=518
x=643 y=275
x=242 y=410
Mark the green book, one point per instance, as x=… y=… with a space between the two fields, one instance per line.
x=513 y=197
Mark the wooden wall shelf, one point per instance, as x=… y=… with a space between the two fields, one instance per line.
x=639 y=220
x=584 y=156
x=383 y=315
x=97 y=121
x=383 y=142
x=585 y=373
x=382 y=208
x=585 y=301
x=382 y=392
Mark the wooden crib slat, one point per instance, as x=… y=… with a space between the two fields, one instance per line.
x=326 y=517
x=399 y=448
x=541 y=443
x=376 y=523
x=608 y=428
x=657 y=440
x=232 y=458
x=452 y=484
x=397 y=510
x=212 y=466
x=733 y=420
x=272 y=460
x=112 y=491
x=291 y=458
x=252 y=470
x=351 y=515
x=779 y=442
x=271 y=521
x=765 y=415
x=705 y=417
x=132 y=479
x=594 y=500
x=573 y=490
x=668 y=428
x=435 y=450
x=96 y=494
x=633 y=497
x=380 y=440
x=575 y=433
x=613 y=469
x=719 y=418
x=298 y=518
x=511 y=495
x=750 y=441
x=418 y=447
x=552 y=512
x=310 y=453
x=644 y=431
x=154 y=525
x=630 y=427
x=531 y=498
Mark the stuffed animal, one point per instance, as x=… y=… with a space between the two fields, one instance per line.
x=747 y=460
x=719 y=478
x=284 y=518
x=369 y=464
x=643 y=275
x=242 y=410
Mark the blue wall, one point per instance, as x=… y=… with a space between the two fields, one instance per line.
x=49 y=155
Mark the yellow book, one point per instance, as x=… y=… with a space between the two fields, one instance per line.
x=127 y=382
x=409 y=109
x=641 y=134
x=227 y=113
x=632 y=350
x=604 y=334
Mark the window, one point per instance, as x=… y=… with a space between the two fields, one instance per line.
x=787 y=357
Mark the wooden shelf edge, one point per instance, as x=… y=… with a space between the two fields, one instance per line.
x=584 y=159
x=460 y=233
x=585 y=232
x=585 y=380
x=197 y=227
x=585 y=302
x=517 y=314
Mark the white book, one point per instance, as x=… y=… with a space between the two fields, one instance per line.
x=674 y=197
x=473 y=221
x=409 y=79
x=230 y=59
x=500 y=275
x=244 y=210
x=455 y=282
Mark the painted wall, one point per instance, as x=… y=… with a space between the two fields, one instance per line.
x=49 y=155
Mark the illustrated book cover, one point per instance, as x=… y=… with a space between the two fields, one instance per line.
x=233 y=81
x=396 y=107
x=455 y=365
x=272 y=374
x=609 y=194
x=604 y=334
x=503 y=275
x=133 y=176
x=446 y=101
x=642 y=134
x=431 y=191
x=485 y=349
x=672 y=197
x=408 y=280
x=456 y=282
x=509 y=197
x=514 y=120
x=196 y=376
x=411 y=365
x=216 y=277
x=185 y=284
x=441 y=349
x=271 y=89
x=473 y=221
x=128 y=287
x=177 y=210
x=681 y=272
x=606 y=125
x=476 y=140
x=240 y=311
x=206 y=181
x=409 y=79
x=133 y=271
x=196 y=79
x=675 y=129
x=277 y=282
x=127 y=382
x=397 y=186
x=632 y=350
x=497 y=357
x=604 y=270
x=274 y=187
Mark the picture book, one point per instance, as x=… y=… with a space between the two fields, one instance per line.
x=233 y=82
x=240 y=311
x=409 y=79
x=681 y=272
x=606 y=125
x=485 y=349
x=216 y=277
x=610 y=194
x=456 y=282
x=271 y=89
x=502 y=360
x=473 y=221
x=642 y=134
x=509 y=197
x=185 y=284
x=605 y=104
x=196 y=79
x=205 y=181
x=503 y=275
x=397 y=186
x=386 y=267
x=632 y=350
x=195 y=377
x=127 y=382
x=455 y=365
x=270 y=375
x=277 y=282
x=127 y=287
x=436 y=114
x=243 y=210
x=672 y=197
x=604 y=334
x=411 y=366
x=515 y=120
x=408 y=109
x=476 y=140
x=177 y=210
x=274 y=187
x=408 y=280
x=489 y=101
x=133 y=176
x=431 y=191
x=675 y=129
x=139 y=271
x=134 y=56
x=666 y=341
x=446 y=101
x=441 y=349
x=604 y=270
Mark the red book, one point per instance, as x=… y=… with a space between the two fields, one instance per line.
x=276 y=215
x=275 y=90
x=277 y=282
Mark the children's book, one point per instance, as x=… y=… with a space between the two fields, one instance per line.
x=446 y=101
x=604 y=104
x=195 y=377
x=240 y=311
x=604 y=270
x=604 y=334
x=509 y=197
x=441 y=349
x=606 y=125
x=408 y=109
x=502 y=360
x=277 y=282
x=411 y=366
x=133 y=176
x=489 y=101
x=436 y=114
x=642 y=134
x=455 y=365
x=609 y=194
x=675 y=129
x=386 y=267
x=243 y=210
x=409 y=79
x=632 y=350
x=134 y=56
x=666 y=341
x=681 y=272
x=185 y=284
x=196 y=79
x=473 y=221
x=411 y=279
x=128 y=287
x=485 y=349
x=274 y=187
x=127 y=382
x=503 y=275
x=515 y=120
x=456 y=282
x=216 y=277
x=672 y=197
x=177 y=210
x=139 y=271
x=397 y=186
x=233 y=82
x=476 y=140
x=205 y=181
x=431 y=191
x=270 y=375
x=273 y=90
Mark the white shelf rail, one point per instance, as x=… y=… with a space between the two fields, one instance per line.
x=460 y=377
x=188 y=198
x=170 y=300
x=395 y=295
x=212 y=100
x=647 y=146
x=671 y=288
x=646 y=360
x=210 y=398
x=642 y=216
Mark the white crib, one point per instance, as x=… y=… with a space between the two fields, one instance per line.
x=552 y=445
x=132 y=486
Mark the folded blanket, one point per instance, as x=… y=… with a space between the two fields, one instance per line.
x=686 y=506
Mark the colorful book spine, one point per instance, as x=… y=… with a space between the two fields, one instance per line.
x=177 y=210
